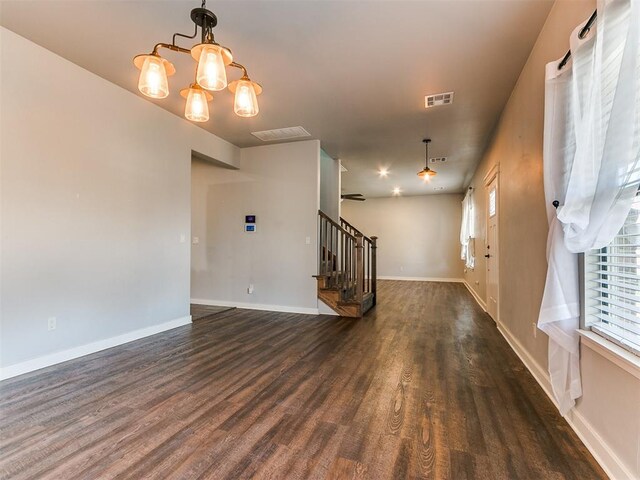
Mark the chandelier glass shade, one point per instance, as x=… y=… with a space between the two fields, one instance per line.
x=210 y=75
x=246 y=102
x=197 y=106
x=153 y=80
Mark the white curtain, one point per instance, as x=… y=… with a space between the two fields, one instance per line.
x=591 y=155
x=467 y=233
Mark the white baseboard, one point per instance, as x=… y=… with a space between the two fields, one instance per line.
x=255 y=306
x=481 y=302
x=89 y=348
x=608 y=460
x=421 y=279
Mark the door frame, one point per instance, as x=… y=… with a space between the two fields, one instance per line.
x=493 y=174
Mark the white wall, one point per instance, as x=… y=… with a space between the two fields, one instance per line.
x=94 y=194
x=279 y=184
x=329 y=186
x=418 y=237
x=607 y=416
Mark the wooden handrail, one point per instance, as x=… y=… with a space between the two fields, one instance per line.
x=336 y=224
x=344 y=222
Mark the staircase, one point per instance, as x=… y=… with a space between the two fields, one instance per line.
x=346 y=267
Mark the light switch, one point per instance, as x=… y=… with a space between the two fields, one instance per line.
x=307 y=240
x=195 y=240
x=183 y=238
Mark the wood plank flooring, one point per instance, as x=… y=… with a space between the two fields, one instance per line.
x=199 y=312
x=422 y=387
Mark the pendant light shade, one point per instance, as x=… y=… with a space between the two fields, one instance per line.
x=246 y=101
x=212 y=60
x=197 y=107
x=153 y=75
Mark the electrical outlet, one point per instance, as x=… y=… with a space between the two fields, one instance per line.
x=307 y=240
x=183 y=238
x=195 y=240
x=402 y=269
x=51 y=323
x=250 y=289
x=535 y=329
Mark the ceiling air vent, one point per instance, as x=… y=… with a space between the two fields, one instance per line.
x=438 y=99
x=438 y=188
x=281 y=134
x=437 y=159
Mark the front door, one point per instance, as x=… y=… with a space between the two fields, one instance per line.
x=492 y=247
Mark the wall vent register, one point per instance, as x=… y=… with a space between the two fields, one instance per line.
x=438 y=159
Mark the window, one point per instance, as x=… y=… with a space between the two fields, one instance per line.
x=612 y=286
x=492 y=202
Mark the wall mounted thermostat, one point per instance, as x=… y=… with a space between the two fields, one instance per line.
x=250 y=223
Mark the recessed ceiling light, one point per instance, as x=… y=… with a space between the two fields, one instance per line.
x=396 y=191
x=383 y=172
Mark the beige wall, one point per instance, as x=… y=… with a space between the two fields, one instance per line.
x=280 y=185
x=610 y=407
x=418 y=237
x=94 y=209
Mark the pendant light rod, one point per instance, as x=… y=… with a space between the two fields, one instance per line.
x=426 y=142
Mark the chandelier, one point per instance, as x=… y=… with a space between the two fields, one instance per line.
x=426 y=172
x=210 y=72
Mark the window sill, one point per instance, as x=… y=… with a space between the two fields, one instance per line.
x=612 y=352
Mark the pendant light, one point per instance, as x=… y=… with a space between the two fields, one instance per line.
x=211 y=72
x=426 y=173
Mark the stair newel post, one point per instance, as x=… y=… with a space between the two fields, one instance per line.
x=374 y=269
x=359 y=268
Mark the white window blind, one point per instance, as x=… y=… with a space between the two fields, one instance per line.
x=612 y=286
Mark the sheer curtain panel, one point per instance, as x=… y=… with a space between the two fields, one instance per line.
x=467 y=234
x=591 y=154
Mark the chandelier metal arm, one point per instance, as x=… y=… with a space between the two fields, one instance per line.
x=195 y=32
x=168 y=46
x=244 y=70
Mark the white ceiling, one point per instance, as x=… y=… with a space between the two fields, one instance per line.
x=352 y=73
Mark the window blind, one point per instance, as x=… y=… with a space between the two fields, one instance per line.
x=612 y=286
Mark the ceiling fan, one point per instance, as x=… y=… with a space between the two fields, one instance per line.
x=358 y=197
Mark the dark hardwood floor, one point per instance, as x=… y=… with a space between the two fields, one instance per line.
x=199 y=312
x=423 y=387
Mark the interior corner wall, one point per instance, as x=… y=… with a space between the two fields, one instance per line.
x=418 y=236
x=611 y=396
x=329 y=186
x=279 y=184
x=95 y=210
